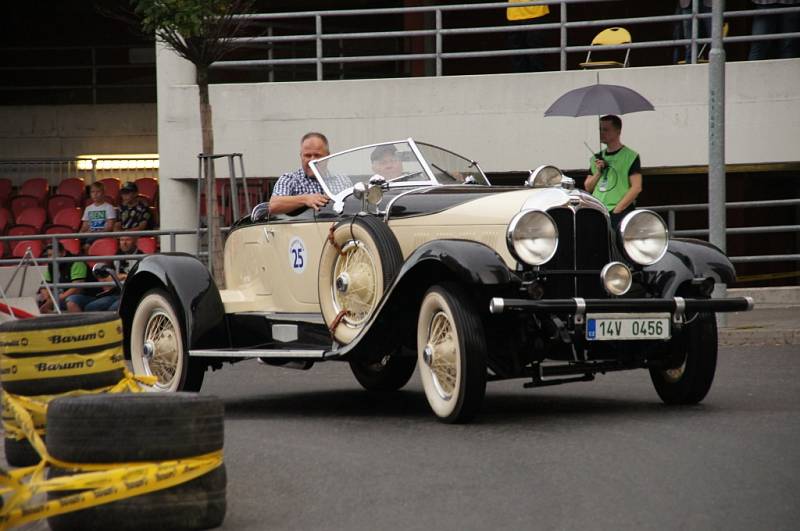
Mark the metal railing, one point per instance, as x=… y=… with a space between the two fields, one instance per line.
x=439 y=32
x=672 y=210
x=93 y=68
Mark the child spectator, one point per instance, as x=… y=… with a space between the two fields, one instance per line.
x=98 y=216
x=133 y=213
x=67 y=272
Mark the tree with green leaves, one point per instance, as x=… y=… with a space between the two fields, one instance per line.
x=200 y=31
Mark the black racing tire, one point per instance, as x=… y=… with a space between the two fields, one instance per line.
x=134 y=427
x=169 y=358
x=196 y=504
x=371 y=260
x=33 y=341
x=690 y=382
x=20 y=452
x=451 y=348
x=390 y=373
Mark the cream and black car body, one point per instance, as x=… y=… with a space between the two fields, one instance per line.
x=418 y=261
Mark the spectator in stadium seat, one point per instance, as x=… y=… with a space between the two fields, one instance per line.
x=299 y=189
x=683 y=29
x=107 y=298
x=525 y=15
x=99 y=216
x=133 y=212
x=67 y=272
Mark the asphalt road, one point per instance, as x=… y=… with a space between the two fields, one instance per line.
x=311 y=450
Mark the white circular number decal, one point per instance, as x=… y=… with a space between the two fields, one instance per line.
x=297 y=255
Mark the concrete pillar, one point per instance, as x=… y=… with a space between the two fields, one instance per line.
x=178 y=165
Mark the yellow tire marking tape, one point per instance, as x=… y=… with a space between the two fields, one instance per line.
x=60 y=365
x=70 y=338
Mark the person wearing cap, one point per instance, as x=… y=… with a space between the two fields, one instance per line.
x=133 y=212
x=300 y=188
x=385 y=162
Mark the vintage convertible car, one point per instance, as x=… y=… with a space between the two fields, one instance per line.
x=419 y=261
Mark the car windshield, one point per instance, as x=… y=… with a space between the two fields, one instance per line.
x=397 y=163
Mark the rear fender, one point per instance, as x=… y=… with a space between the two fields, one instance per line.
x=192 y=289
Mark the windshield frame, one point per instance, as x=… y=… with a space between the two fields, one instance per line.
x=430 y=181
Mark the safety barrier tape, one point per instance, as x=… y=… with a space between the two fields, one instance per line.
x=99 y=483
x=62 y=339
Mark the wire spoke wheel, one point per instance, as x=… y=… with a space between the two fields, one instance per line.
x=157 y=345
x=354 y=290
x=451 y=353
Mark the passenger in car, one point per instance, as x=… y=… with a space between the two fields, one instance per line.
x=386 y=163
x=300 y=188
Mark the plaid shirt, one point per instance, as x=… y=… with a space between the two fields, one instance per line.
x=297 y=183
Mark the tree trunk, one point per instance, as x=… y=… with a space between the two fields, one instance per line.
x=215 y=242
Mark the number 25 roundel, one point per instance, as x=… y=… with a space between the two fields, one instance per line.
x=297 y=255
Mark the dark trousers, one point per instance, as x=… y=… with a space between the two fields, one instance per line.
x=765 y=24
x=519 y=40
x=683 y=30
x=617 y=218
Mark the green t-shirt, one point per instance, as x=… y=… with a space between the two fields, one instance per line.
x=614 y=183
x=78 y=271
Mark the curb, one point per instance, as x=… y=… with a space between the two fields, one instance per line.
x=757 y=336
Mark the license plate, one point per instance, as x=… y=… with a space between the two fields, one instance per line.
x=626 y=326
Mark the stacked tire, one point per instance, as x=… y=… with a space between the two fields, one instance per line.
x=53 y=355
x=141 y=427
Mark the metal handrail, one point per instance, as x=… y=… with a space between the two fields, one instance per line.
x=672 y=210
x=319 y=37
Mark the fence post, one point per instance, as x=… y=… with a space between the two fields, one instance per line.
x=318 y=23
x=438 y=42
x=55 y=277
x=563 y=52
x=694 y=30
x=716 y=142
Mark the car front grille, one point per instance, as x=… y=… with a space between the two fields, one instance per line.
x=583 y=246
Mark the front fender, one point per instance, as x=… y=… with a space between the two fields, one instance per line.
x=688 y=259
x=192 y=289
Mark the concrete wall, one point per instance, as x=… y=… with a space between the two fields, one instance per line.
x=64 y=131
x=496 y=119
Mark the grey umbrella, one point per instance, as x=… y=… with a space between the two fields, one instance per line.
x=598 y=100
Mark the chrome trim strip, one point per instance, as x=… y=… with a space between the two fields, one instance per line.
x=314 y=318
x=262 y=353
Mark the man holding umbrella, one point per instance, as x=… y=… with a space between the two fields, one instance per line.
x=616 y=172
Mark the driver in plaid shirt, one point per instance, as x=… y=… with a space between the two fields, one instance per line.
x=300 y=188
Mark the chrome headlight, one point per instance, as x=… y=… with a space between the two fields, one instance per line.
x=544 y=177
x=644 y=237
x=532 y=237
x=616 y=278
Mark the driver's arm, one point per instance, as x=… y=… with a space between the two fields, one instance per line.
x=281 y=204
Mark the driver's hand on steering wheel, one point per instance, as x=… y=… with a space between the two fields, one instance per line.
x=315 y=201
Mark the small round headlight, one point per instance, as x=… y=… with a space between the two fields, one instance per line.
x=616 y=278
x=544 y=177
x=644 y=237
x=532 y=237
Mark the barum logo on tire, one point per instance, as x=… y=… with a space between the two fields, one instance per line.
x=49 y=367
x=56 y=339
x=101 y=334
x=5 y=371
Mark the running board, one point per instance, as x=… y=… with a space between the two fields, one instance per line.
x=259 y=353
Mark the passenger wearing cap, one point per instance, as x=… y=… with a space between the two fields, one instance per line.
x=133 y=212
x=386 y=163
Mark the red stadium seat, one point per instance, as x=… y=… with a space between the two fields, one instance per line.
x=21 y=230
x=23 y=202
x=69 y=217
x=72 y=245
x=6 y=186
x=59 y=202
x=6 y=220
x=34 y=217
x=36 y=187
x=58 y=229
x=147 y=244
x=148 y=187
x=21 y=246
x=74 y=187
x=102 y=247
x=111 y=186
